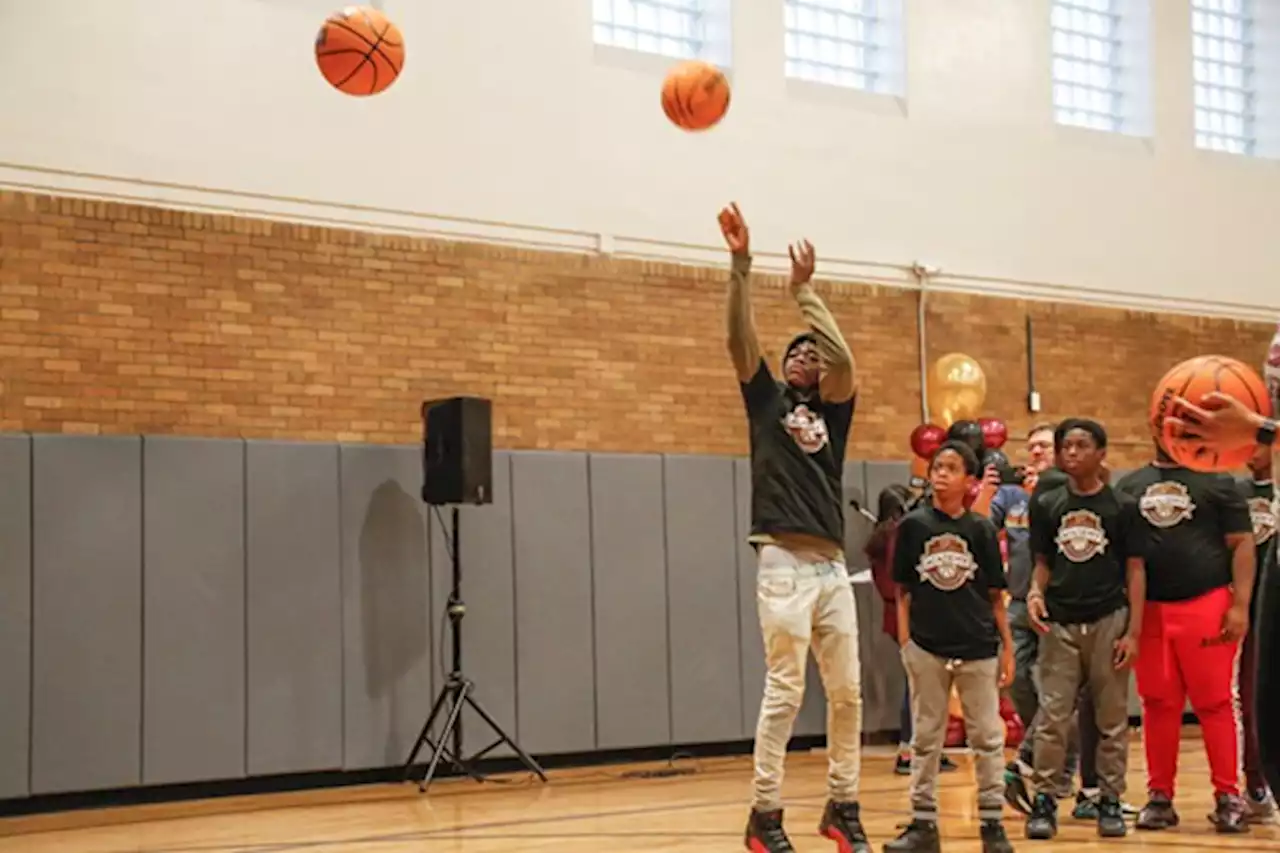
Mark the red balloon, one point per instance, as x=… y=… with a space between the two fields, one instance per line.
x=926 y=439
x=995 y=432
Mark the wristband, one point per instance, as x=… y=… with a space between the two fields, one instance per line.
x=1267 y=433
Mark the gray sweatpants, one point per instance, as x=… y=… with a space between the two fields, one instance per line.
x=1073 y=657
x=978 y=683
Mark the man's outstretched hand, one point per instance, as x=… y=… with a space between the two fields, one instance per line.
x=802 y=262
x=1221 y=421
x=734 y=229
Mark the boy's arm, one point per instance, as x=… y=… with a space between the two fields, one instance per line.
x=1042 y=527
x=1039 y=577
x=904 y=615
x=744 y=346
x=1237 y=523
x=905 y=553
x=1135 y=571
x=1137 y=536
x=838 y=382
x=993 y=571
x=1002 y=618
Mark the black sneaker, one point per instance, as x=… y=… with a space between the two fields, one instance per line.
x=1016 y=793
x=1111 y=818
x=919 y=836
x=765 y=833
x=842 y=824
x=1158 y=813
x=1042 y=825
x=1086 y=806
x=946 y=765
x=902 y=767
x=1231 y=817
x=993 y=837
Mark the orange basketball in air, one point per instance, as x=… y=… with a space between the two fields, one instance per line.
x=359 y=51
x=695 y=95
x=1192 y=379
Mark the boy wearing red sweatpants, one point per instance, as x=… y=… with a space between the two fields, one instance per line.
x=1200 y=568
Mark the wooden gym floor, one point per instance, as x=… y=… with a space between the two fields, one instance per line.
x=584 y=811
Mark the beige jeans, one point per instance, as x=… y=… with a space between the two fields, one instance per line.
x=805 y=601
x=1071 y=657
x=978 y=683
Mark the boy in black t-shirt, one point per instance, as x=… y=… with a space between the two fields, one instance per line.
x=953 y=630
x=1200 y=566
x=1086 y=599
x=1259 y=491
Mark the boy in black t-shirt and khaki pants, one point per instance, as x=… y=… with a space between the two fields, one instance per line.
x=1086 y=600
x=954 y=631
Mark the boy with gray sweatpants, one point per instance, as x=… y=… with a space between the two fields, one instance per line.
x=953 y=631
x=1086 y=598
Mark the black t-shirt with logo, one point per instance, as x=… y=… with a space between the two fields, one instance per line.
x=797 y=459
x=1262 y=510
x=950 y=566
x=1189 y=514
x=1086 y=540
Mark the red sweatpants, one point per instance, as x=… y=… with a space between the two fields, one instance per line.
x=1181 y=657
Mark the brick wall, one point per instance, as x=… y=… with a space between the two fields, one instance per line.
x=122 y=319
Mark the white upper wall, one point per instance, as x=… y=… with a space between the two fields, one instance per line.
x=510 y=123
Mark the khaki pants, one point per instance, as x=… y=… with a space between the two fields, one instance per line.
x=805 y=601
x=978 y=684
x=1073 y=657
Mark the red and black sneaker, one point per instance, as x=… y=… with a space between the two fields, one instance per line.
x=842 y=823
x=1158 y=813
x=765 y=833
x=1231 y=815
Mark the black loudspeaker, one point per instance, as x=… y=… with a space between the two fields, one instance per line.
x=457 y=452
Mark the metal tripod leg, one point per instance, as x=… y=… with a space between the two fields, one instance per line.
x=455 y=714
x=423 y=736
x=493 y=724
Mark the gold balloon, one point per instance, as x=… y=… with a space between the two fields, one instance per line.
x=958 y=390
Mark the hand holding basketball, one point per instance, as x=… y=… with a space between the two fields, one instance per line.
x=1220 y=422
x=734 y=229
x=1206 y=411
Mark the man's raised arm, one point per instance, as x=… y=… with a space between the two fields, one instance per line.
x=744 y=346
x=839 y=369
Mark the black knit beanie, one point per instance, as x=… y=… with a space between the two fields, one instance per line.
x=803 y=337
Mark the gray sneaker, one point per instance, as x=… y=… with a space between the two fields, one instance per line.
x=1261 y=808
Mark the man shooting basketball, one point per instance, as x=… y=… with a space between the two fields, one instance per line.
x=799 y=428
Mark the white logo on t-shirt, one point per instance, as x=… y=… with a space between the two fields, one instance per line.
x=1166 y=504
x=1081 y=536
x=807 y=428
x=947 y=562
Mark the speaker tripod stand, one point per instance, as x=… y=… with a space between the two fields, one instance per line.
x=454 y=695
